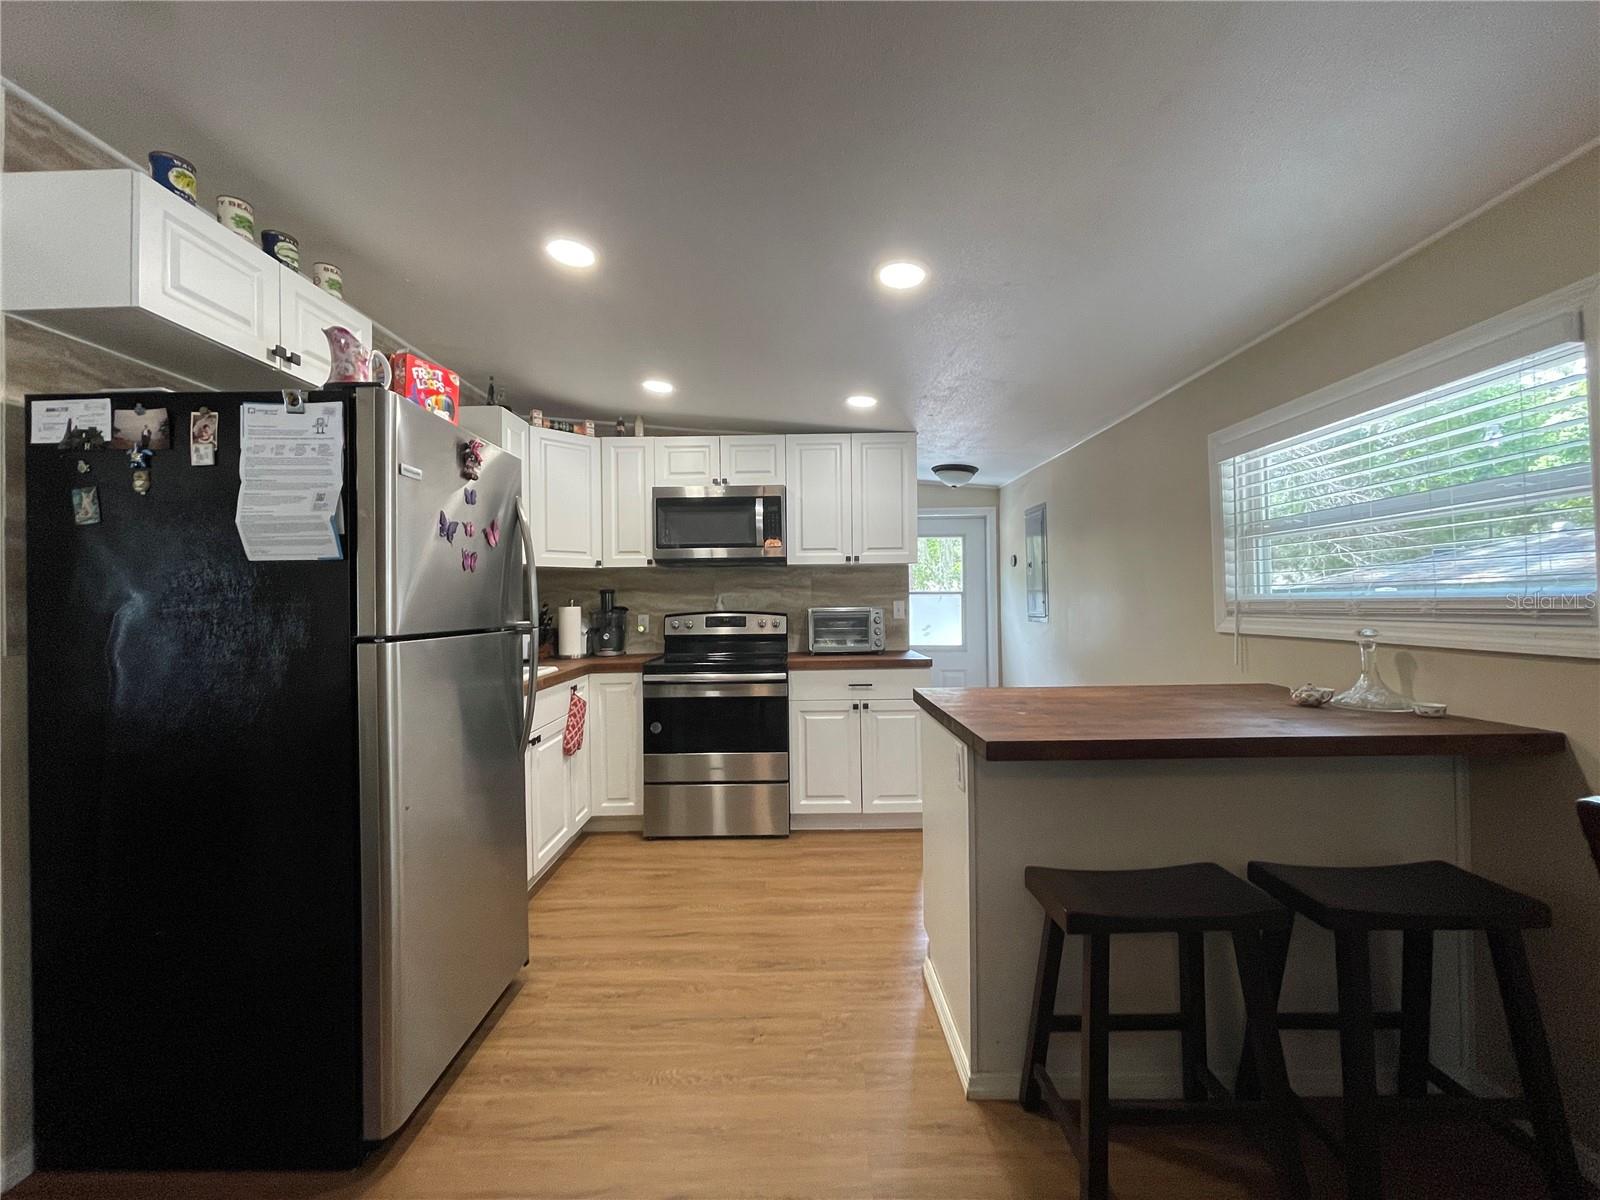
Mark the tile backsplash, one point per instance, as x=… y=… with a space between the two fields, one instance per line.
x=791 y=590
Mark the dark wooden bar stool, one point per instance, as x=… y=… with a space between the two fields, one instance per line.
x=1589 y=820
x=1189 y=901
x=1419 y=899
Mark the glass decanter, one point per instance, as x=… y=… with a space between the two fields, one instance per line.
x=1369 y=691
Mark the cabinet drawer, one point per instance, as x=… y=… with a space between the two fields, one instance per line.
x=885 y=683
x=551 y=704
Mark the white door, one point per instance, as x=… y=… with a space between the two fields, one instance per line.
x=627 y=466
x=825 y=756
x=306 y=311
x=752 y=460
x=950 y=615
x=818 y=466
x=884 y=497
x=566 y=531
x=891 y=756
x=199 y=275
x=554 y=780
x=687 y=461
x=616 y=764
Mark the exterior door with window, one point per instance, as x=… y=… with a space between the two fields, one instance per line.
x=949 y=613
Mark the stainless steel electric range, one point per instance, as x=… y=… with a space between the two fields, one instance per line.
x=716 y=727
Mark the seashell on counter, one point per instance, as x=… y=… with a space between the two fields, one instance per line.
x=1309 y=695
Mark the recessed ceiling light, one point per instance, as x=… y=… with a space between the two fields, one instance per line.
x=861 y=401
x=901 y=275
x=658 y=387
x=570 y=253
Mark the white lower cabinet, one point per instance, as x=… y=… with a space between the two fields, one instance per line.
x=891 y=757
x=854 y=742
x=824 y=756
x=616 y=722
x=549 y=779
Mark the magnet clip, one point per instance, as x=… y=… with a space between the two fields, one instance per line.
x=294 y=401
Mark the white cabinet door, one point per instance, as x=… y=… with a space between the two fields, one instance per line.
x=617 y=762
x=530 y=768
x=579 y=785
x=306 y=310
x=566 y=523
x=198 y=275
x=627 y=467
x=884 y=501
x=818 y=466
x=687 y=461
x=553 y=781
x=753 y=460
x=891 y=757
x=824 y=757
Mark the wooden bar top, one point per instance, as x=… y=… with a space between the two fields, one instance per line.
x=804 y=661
x=1226 y=720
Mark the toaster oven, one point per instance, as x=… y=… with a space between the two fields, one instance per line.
x=845 y=630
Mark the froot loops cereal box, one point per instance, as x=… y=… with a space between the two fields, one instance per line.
x=438 y=390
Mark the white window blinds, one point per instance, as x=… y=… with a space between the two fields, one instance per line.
x=1471 y=496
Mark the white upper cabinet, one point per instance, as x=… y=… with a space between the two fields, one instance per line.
x=566 y=509
x=115 y=258
x=305 y=311
x=687 y=461
x=883 y=470
x=752 y=460
x=627 y=469
x=819 y=498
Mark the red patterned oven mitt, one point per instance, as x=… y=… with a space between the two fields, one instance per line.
x=572 y=737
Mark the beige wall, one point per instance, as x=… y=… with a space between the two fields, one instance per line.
x=939 y=495
x=1131 y=578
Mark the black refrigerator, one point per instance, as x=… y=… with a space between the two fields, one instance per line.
x=276 y=712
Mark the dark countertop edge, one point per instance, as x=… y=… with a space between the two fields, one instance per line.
x=804 y=660
x=1480 y=745
x=568 y=669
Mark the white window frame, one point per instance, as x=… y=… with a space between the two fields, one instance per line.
x=1373 y=389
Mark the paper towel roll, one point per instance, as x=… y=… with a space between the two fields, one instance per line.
x=569 y=631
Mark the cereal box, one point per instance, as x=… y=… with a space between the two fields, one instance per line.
x=438 y=390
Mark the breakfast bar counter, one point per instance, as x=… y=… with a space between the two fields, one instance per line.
x=1125 y=777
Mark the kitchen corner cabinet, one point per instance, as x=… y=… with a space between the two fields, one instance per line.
x=616 y=716
x=566 y=510
x=114 y=258
x=852 y=498
x=741 y=460
x=627 y=473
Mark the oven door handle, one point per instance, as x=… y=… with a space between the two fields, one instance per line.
x=720 y=677
x=713 y=691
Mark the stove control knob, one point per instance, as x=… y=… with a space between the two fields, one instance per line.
x=690 y=624
x=762 y=623
x=674 y=624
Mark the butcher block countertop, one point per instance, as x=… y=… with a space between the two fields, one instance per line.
x=856 y=662
x=568 y=669
x=1249 y=720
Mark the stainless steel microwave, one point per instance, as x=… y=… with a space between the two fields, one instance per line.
x=845 y=630
x=718 y=524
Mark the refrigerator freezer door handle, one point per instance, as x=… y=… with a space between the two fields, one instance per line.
x=531 y=686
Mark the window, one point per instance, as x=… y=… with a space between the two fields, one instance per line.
x=1448 y=497
x=937 y=579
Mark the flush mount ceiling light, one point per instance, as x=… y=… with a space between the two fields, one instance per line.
x=901 y=275
x=954 y=474
x=658 y=387
x=861 y=401
x=570 y=253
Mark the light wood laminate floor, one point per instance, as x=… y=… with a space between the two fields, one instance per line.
x=748 y=1019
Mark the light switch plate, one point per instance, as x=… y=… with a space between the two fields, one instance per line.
x=641 y=623
x=899 y=610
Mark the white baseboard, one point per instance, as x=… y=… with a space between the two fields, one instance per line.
x=952 y=1040
x=613 y=825
x=18 y=1166
x=855 y=820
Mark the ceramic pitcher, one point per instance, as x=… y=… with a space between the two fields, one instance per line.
x=353 y=362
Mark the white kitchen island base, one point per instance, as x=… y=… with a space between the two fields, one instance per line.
x=984 y=822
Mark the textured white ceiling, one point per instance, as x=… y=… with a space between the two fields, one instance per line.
x=1110 y=196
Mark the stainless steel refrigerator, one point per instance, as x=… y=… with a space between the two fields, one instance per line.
x=276 y=807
